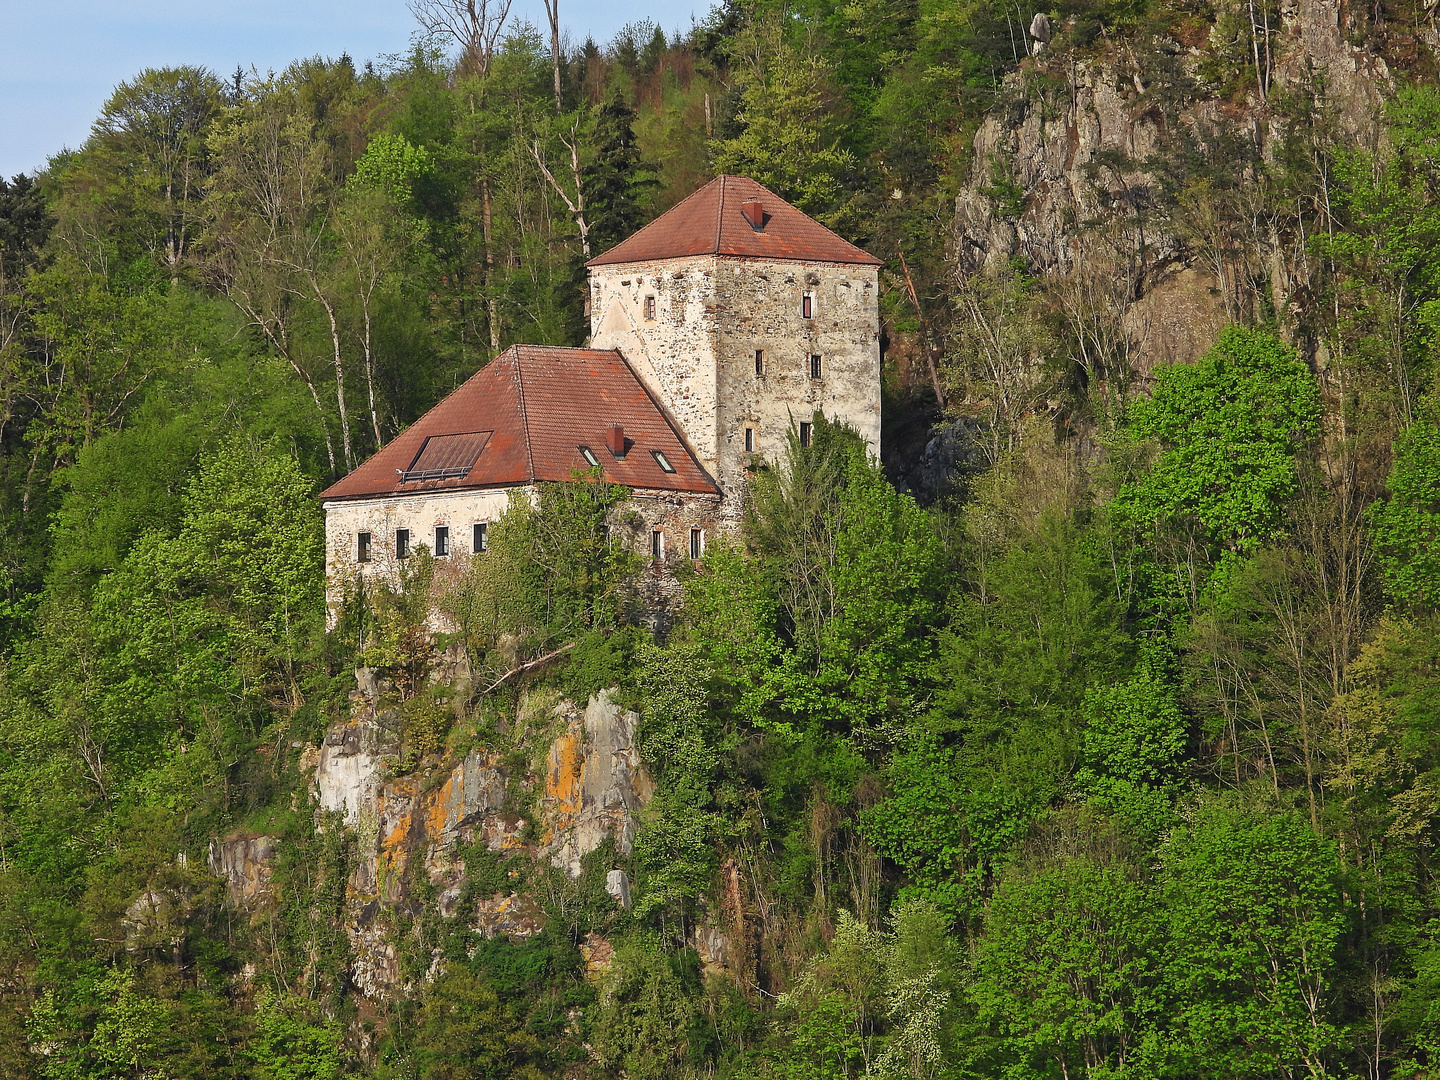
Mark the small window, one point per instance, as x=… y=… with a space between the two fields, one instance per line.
x=402 y=543
x=804 y=433
x=662 y=461
x=697 y=543
x=657 y=544
x=589 y=456
x=442 y=539
x=815 y=365
x=362 y=547
x=759 y=361
x=481 y=539
x=807 y=306
x=649 y=307
x=749 y=439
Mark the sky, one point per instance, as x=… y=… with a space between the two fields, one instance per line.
x=60 y=59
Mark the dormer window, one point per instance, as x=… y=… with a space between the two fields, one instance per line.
x=589 y=456
x=650 y=307
x=662 y=461
x=807 y=306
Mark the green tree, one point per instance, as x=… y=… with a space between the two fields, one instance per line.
x=1407 y=524
x=1067 y=970
x=618 y=181
x=1224 y=432
x=1255 y=925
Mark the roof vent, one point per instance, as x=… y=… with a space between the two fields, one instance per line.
x=754 y=212
x=615 y=440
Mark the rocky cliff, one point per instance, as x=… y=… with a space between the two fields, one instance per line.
x=567 y=781
x=1076 y=169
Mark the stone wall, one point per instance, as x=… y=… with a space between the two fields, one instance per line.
x=697 y=354
x=675 y=515
x=381 y=517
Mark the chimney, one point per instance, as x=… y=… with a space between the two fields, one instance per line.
x=754 y=213
x=615 y=440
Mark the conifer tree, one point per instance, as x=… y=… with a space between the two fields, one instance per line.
x=618 y=182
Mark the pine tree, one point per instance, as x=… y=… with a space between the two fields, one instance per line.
x=618 y=182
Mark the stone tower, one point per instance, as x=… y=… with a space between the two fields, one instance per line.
x=743 y=317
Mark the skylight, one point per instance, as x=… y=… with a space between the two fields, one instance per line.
x=662 y=461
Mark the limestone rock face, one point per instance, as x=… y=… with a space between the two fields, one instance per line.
x=1076 y=154
x=595 y=785
x=245 y=863
x=588 y=786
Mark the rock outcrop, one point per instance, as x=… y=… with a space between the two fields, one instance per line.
x=1074 y=142
x=586 y=786
x=244 y=862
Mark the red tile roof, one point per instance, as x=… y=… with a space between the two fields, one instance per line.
x=527 y=412
x=710 y=222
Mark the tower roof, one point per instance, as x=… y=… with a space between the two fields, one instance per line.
x=712 y=222
x=523 y=418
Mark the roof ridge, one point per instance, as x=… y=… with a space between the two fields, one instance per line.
x=524 y=415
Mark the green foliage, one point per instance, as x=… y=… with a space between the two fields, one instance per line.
x=648 y=1007
x=555 y=570
x=1226 y=430
x=1067 y=971
x=786 y=141
x=1135 y=744
x=1407 y=524
x=618 y=181
x=831 y=611
x=1255 y=921
x=293 y=1042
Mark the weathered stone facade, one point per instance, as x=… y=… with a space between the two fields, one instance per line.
x=691 y=328
x=673 y=515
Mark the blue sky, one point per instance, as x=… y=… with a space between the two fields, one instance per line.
x=60 y=59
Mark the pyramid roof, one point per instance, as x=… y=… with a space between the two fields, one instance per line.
x=710 y=222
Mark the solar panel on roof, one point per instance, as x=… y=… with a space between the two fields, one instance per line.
x=445 y=456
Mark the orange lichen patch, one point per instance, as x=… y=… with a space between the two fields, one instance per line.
x=393 y=851
x=440 y=802
x=565 y=781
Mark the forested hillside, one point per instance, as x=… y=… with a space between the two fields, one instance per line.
x=1093 y=732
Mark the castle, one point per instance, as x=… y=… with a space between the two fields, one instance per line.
x=715 y=330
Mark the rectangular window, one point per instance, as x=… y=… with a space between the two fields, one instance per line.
x=657 y=544
x=442 y=539
x=807 y=306
x=362 y=547
x=749 y=439
x=804 y=433
x=589 y=456
x=759 y=361
x=697 y=543
x=649 y=307
x=481 y=538
x=662 y=461
x=402 y=543
x=814 y=365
